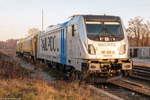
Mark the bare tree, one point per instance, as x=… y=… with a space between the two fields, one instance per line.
x=33 y=31
x=138 y=31
x=145 y=34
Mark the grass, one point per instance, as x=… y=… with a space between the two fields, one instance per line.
x=15 y=82
x=39 y=90
x=9 y=68
x=25 y=89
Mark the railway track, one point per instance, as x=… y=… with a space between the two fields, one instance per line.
x=133 y=86
x=121 y=91
x=141 y=72
x=109 y=96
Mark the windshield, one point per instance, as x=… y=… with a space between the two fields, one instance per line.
x=104 y=31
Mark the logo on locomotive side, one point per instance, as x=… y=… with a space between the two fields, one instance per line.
x=48 y=43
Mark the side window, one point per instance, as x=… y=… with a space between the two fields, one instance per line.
x=73 y=29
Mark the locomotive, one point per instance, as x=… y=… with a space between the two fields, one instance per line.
x=84 y=46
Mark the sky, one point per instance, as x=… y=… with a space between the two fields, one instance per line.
x=18 y=16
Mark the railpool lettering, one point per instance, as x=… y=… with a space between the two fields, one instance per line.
x=48 y=43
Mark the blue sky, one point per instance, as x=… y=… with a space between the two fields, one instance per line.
x=17 y=16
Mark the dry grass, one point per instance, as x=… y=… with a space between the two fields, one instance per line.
x=15 y=82
x=25 y=89
x=39 y=90
x=9 y=68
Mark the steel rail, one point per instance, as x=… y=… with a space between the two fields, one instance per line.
x=105 y=93
x=133 y=86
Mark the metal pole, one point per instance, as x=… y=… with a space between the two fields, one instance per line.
x=42 y=19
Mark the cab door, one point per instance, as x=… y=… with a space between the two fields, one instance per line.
x=72 y=45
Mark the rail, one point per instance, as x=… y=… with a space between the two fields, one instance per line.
x=105 y=93
x=133 y=86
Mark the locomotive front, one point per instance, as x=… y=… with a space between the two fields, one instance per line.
x=107 y=46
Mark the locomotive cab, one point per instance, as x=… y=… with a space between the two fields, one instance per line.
x=106 y=46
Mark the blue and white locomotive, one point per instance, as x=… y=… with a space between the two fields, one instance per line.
x=93 y=44
x=84 y=46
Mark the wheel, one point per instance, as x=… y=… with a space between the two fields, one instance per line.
x=130 y=72
x=74 y=75
x=126 y=73
x=84 y=76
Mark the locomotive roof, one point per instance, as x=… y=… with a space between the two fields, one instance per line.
x=101 y=18
x=87 y=18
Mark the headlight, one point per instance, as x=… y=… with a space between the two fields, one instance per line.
x=91 y=49
x=122 y=49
